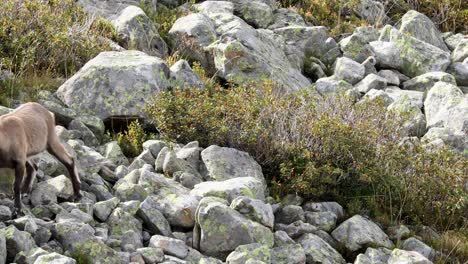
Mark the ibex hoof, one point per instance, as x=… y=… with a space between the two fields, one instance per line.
x=16 y=213
x=77 y=197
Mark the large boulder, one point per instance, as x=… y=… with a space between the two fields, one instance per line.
x=115 y=84
x=319 y=251
x=227 y=163
x=372 y=255
x=49 y=191
x=223 y=229
x=358 y=232
x=255 y=210
x=231 y=189
x=16 y=241
x=348 y=70
x=446 y=106
x=412 y=56
x=407 y=257
x=172 y=199
x=137 y=31
x=425 y=81
x=421 y=27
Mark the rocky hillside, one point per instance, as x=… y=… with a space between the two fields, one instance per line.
x=186 y=203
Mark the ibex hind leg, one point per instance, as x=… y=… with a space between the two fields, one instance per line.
x=19 y=174
x=31 y=171
x=56 y=148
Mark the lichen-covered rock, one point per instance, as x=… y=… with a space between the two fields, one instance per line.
x=421 y=27
x=137 y=31
x=296 y=229
x=291 y=254
x=289 y=214
x=213 y=7
x=3 y=249
x=349 y=70
x=223 y=229
x=448 y=137
x=413 y=244
x=372 y=11
x=373 y=256
x=415 y=122
x=332 y=207
x=153 y=219
x=414 y=98
x=282 y=239
x=371 y=81
x=170 y=246
x=155 y=146
x=227 y=163
x=87 y=135
x=258 y=13
x=115 y=84
x=54 y=258
x=185 y=77
x=417 y=57
x=386 y=54
x=16 y=241
x=325 y=221
x=391 y=77
x=398 y=232
x=358 y=232
x=319 y=251
x=460 y=72
x=113 y=152
x=460 y=53
x=424 y=82
x=356 y=46
x=446 y=106
x=255 y=251
x=255 y=210
x=407 y=257
x=151 y=255
x=48 y=191
x=375 y=94
x=231 y=189
x=284 y=17
x=331 y=85
x=172 y=199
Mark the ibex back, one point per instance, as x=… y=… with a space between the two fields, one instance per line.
x=25 y=132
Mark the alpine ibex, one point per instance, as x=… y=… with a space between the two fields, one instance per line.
x=25 y=132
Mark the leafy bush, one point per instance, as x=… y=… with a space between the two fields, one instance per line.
x=325 y=148
x=131 y=141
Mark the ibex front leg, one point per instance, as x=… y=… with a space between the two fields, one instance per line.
x=19 y=174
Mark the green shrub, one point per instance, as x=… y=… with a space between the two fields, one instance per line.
x=131 y=141
x=325 y=148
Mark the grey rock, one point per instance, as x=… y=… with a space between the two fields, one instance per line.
x=452 y=40
x=113 y=152
x=460 y=72
x=411 y=257
x=391 y=77
x=331 y=85
x=227 y=163
x=223 y=229
x=372 y=11
x=387 y=54
x=54 y=258
x=413 y=244
x=153 y=219
x=325 y=221
x=103 y=209
x=152 y=255
x=319 y=251
x=289 y=214
x=371 y=81
x=137 y=31
x=282 y=239
x=255 y=251
x=87 y=135
x=332 y=207
x=296 y=229
x=358 y=232
x=170 y=246
x=185 y=77
x=16 y=241
x=356 y=46
x=373 y=256
x=255 y=210
x=446 y=106
x=48 y=191
x=349 y=70
x=284 y=17
x=421 y=27
x=447 y=136
x=398 y=232
x=414 y=98
x=460 y=53
x=374 y=94
x=291 y=253
x=425 y=81
x=231 y=189
x=5 y=213
x=105 y=83
x=155 y=146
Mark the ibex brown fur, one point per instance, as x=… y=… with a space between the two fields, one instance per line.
x=25 y=132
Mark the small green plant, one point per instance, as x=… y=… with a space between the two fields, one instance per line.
x=131 y=140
